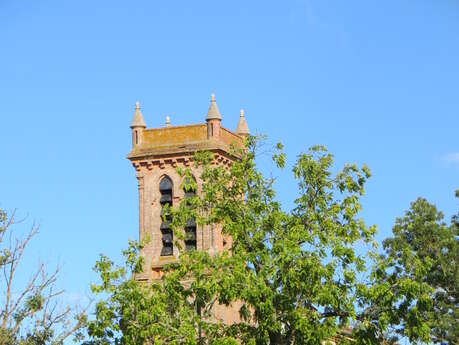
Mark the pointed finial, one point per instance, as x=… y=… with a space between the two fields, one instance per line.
x=213 y=113
x=242 y=128
x=137 y=120
x=168 y=121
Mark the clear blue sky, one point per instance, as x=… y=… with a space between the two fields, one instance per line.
x=375 y=82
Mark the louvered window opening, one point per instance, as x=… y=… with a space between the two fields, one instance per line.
x=165 y=188
x=190 y=226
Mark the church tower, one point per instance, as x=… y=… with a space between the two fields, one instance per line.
x=155 y=155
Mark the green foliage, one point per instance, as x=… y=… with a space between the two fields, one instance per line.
x=295 y=277
x=425 y=249
x=162 y=312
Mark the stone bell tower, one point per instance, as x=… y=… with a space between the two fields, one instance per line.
x=155 y=155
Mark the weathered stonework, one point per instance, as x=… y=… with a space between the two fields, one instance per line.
x=158 y=152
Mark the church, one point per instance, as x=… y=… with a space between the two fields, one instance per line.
x=156 y=153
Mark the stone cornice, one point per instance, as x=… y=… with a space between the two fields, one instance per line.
x=173 y=160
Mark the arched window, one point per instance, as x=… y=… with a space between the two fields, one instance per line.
x=190 y=226
x=165 y=188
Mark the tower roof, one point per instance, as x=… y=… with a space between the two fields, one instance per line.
x=242 y=128
x=213 y=113
x=137 y=120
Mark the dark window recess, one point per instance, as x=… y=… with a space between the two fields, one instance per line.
x=165 y=188
x=167 y=249
x=189 y=194
x=165 y=226
x=190 y=226
x=191 y=223
x=190 y=237
x=167 y=237
x=165 y=185
x=165 y=199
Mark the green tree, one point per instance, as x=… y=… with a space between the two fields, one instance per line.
x=31 y=313
x=421 y=237
x=295 y=276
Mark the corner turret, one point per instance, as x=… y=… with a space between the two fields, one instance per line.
x=213 y=119
x=242 y=128
x=137 y=126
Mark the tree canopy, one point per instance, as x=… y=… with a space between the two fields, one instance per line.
x=303 y=276
x=422 y=238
